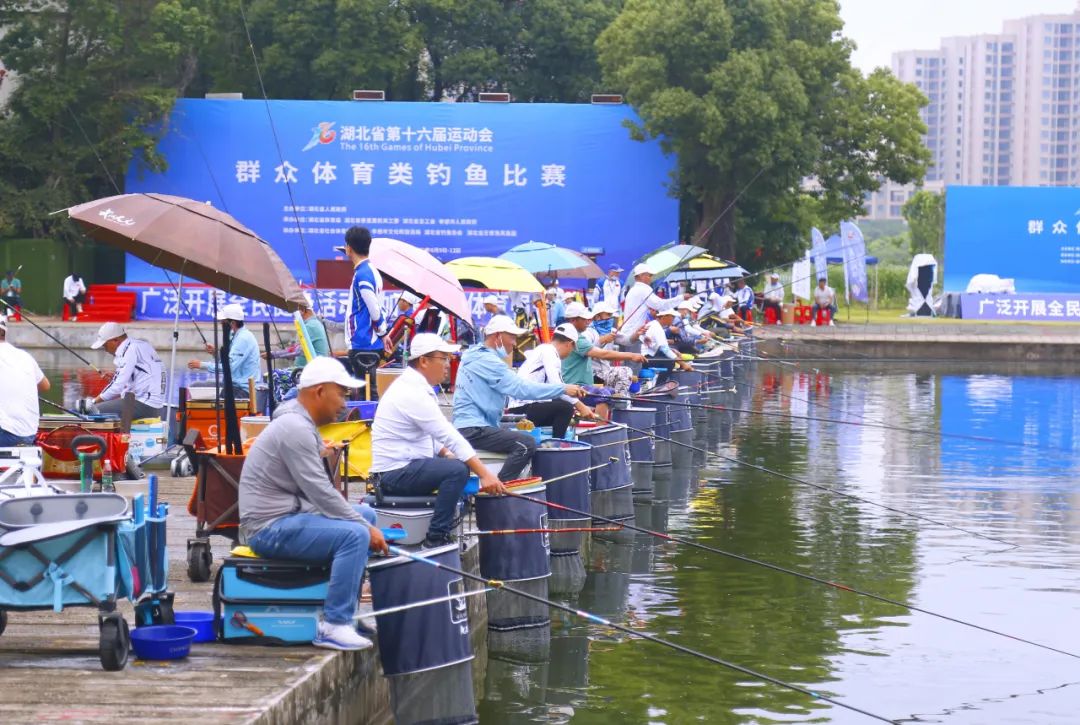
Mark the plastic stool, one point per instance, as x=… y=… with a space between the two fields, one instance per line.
x=770 y=316
x=824 y=316
x=802 y=314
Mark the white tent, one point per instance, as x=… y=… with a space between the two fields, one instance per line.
x=922 y=275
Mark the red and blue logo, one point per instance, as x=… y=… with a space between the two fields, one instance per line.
x=324 y=133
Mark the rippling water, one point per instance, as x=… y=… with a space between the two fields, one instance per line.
x=906 y=666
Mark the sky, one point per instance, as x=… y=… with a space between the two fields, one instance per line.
x=880 y=27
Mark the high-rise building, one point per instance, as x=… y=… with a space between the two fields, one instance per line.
x=1004 y=109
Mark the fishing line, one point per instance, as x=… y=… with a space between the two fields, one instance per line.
x=588 y=616
x=52 y=337
x=80 y=416
x=792 y=572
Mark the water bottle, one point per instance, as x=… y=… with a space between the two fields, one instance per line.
x=106 y=477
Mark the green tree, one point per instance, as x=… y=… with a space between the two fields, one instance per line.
x=93 y=76
x=755 y=97
x=925 y=215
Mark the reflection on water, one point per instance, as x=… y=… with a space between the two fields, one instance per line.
x=873 y=655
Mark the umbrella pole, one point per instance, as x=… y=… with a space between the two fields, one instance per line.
x=217 y=384
x=270 y=367
x=172 y=358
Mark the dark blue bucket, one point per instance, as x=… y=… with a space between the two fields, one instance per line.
x=422 y=638
x=678 y=414
x=556 y=457
x=641 y=445
x=727 y=365
x=513 y=556
x=689 y=384
x=608 y=442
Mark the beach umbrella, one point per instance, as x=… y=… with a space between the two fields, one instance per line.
x=706 y=266
x=544 y=258
x=193 y=239
x=494 y=274
x=665 y=259
x=414 y=269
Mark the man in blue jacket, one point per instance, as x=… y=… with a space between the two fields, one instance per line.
x=365 y=324
x=484 y=382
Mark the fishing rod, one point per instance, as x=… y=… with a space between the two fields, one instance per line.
x=55 y=339
x=823 y=487
x=80 y=416
x=504 y=532
x=596 y=619
x=793 y=572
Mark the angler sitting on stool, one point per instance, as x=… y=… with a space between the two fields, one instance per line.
x=290 y=510
x=543 y=364
x=484 y=382
x=139 y=371
x=414 y=449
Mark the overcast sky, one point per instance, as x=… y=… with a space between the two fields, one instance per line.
x=880 y=27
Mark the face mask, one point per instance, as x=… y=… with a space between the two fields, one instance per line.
x=603 y=326
x=501 y=351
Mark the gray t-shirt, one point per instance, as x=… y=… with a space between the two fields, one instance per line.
x=284 y=474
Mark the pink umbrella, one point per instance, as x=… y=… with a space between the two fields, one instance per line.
x=414 y=269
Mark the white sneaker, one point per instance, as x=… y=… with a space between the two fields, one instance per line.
x=813 y=323
x=339 y=636
x=832 y=324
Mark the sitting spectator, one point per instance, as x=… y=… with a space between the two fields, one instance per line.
x=11 y=291
x=543 y=364
x=414 y=449
x=744 y=298
x=824 y=299
x=74 y=294
x=290 y=510
x=774 y=297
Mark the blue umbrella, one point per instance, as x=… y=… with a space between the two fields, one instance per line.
x=544 y=258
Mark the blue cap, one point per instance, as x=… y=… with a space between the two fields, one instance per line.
x=614 y=268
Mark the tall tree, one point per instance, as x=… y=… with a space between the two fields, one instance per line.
x=755 y=97
x=93 y=76
x=925 y=215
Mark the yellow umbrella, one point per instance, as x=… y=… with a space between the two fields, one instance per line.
x=494 y=274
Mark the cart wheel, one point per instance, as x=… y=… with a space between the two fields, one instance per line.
x=114 y=643
x=174 y=467
x=165 y=611
x=199 y=560
x=133 y=471
x=3 y=621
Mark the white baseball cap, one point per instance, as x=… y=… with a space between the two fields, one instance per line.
x=491 y=300
x=689 y=304
x=640 y=269
x=604 y=306
x=107 y=332
x=576 y=309
x=567 y=330
x=551 y=291
x=231 y=312
x=502 y=323
x=662 y=313
x=568 y=293
x=409 y=297
x=428 y=342
x=327 y=370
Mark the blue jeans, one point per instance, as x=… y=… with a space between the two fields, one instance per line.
x=8 y=440
x=424 y=475
x=318 y=539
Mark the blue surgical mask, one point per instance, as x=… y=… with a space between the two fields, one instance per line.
x=501 y=351
x=604 y=326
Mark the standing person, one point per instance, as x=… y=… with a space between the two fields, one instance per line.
x=556 y=306
x=744 y=298
x=20 y=384
x=484 y=383
x=11 y=291
x=611 y=291
x=365 y=325
x=243 y=351
x=577 y=367
x=593 y=292
x=415 y=450
x=492 y=307
x=824 y=299
x=290 y=510
x=774 y=297
x=139 y=371
x=543 y=364
x=74 y=294
x=639 y=299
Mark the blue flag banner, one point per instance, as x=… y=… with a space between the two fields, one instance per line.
x=817 y=251
x=457 y=179
x=854 y=249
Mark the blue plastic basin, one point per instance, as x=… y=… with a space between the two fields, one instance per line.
x=201 y=622
x=162 y=642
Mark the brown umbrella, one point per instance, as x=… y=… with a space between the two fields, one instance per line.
x=193 y=239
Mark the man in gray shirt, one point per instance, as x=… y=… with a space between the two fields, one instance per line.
x=290 y=510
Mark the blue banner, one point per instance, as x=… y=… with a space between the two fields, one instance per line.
x=817 y=251
x=457 y=179
x=854 y=251
x=1021 y=308
x=1029 y=234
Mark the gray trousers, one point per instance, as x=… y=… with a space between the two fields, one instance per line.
x=115 y=407
x=517 y=445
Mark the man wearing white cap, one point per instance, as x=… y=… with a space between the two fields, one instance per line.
x=578 y=366
x=691 y=334
x=611 y=290
x=414 y=449
x=492 y=306
x=20 y=384
x=139 y=371
x=556 y=306
x=774 y=296
x=243 y=351
x=640 y=298
x=484 y=382
x=543 y=364
x=654 y=342
x=290 y=510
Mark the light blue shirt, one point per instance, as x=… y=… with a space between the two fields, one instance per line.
x=484 y=382
x=243 y=358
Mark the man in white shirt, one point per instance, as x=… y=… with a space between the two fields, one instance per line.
x=139 y=371
x=74 y=294
x=639 y=299
x=611 y=291
x=654 y=342
x=415 y=451
x=824 y=299
x=774 y=296
x=543 y=364
x=20 y=384
x=744 y=298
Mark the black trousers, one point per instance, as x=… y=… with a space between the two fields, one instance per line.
x=363 y=364
x=556 y=413
x=517 y=445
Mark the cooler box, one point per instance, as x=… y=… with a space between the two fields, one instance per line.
x=283 y=600
x=59 y=461
x=147 y=438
